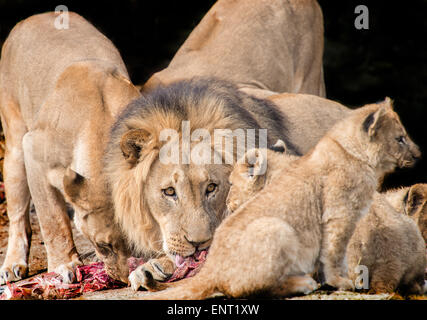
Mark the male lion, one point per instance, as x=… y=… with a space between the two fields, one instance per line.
x=170 y=210
x=60 y=90
x=322 y=195
x=164 y=108
x=273 y=45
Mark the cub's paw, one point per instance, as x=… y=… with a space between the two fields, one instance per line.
x=15 y=272
x=67 y=271
x=307 y=285
x=296 y=285
x=341 y=283
x=148 y=274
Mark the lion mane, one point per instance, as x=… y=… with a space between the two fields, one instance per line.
x=206 y=103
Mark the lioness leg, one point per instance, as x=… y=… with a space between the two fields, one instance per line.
x=51 y=210
x=15 y=265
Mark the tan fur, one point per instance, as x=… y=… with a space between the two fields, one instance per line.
x=59 y=93
x=411 y=201
x=390 y=245
x=245 y=185
x=312 y=208
x=273 y=45
x=155 y=224
x=309 y=117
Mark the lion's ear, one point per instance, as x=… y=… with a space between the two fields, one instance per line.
x=75 y=185
x=279 y=146
x=133 y=143
x=253 y=165
x=373 y=121
x=416 y=199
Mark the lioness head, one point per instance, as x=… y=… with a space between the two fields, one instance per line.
x=412 y=201
x=95 y=219
x=253 y=171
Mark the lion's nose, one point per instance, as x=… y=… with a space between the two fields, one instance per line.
x=197 y=244
x=416 y=153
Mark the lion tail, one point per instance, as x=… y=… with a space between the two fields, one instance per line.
x=196 y=288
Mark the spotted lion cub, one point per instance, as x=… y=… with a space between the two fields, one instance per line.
x=306 y=213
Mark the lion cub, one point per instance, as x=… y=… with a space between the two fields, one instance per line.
x=306 y=213
x=390 y=245
x=411 y=201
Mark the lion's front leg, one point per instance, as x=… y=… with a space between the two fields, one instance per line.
x=336 y=235
x=51 y=210
x=15 y=265
x=148 y=274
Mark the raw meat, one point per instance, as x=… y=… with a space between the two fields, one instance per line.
x=90 y=277
x=188 y=266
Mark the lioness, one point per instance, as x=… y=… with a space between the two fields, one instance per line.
x=390 y=245
x=322 y=195
x=60 y=90
x=273 y=45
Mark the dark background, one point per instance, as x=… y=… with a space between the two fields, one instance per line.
x=361 y=66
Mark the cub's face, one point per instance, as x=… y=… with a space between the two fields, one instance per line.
x=187 y=202
x=389 y=140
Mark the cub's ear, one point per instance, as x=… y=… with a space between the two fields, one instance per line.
x=279 y=146
x=373 y=121
x=75 y=185
x=133 y=144
x=254 y=164
x=415 y=199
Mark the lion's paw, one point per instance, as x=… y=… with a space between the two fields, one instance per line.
x=147 y=275
x=341 y=283
x=13 y=273
x=307 y=285
x=67 y=271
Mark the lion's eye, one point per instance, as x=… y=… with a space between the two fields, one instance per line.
x=401 y=140
x=211 y=188
x=170 y=192
x=104 y=248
